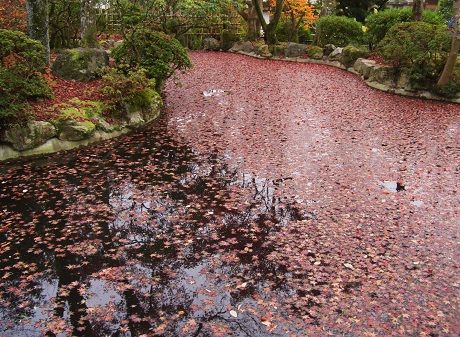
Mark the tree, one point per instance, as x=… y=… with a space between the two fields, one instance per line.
x=328 y=7
x=299 y=12
x=449 y=67
x=445 y=8
x=269 y=28
x=417 y=10
x=38 y=23
x=88 y=23
x=359 y=9
x=248 y=12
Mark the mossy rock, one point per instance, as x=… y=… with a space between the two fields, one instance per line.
x=24 y=137
x=278 y=49
x=315 y=52
x=80 y=64
x=143 y=107
x=75 y=130
x=295 y=50
x=351 y=53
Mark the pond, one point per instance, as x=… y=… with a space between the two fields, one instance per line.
x=253 y=207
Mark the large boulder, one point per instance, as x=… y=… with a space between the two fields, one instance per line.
x=211 y=43
x=371 y=71
x=33 y=134
x=336 y=55
x=75 y=130
x=81 y=64
x=328 y=49
x=143 y=111
x=245 y=47
x=351 y=53
x=295 y=50
x=315 y=52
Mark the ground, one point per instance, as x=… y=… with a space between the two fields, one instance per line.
x=271 y=199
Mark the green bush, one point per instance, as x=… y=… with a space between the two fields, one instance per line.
x=378 y=24
x=228 y=38
x=124 y=88
x=445 y=9
x=419 y=48
x=286 y=33
x=339 y=31
x=22 y=64
x=159 y=54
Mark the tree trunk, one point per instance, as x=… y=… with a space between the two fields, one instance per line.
x=269 y=29
x=38 y=23
x=88 y=24
x=449 y=67
x=328 y=7
x=417 y=10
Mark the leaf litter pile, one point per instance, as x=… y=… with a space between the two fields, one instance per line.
x=271 y=199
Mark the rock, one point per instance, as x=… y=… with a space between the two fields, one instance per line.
x=278 y=49
x=103 y=125
x=350 y=54
x=363 y=67
x=245 y=46
x=315 y=52
x=7 y=152
x=74 y=130
x=139 y=112
x=295 y=50
x=211 y=43
x=403 y=81
x=81 y=64
x=263 y=50
x=135 y=119
x=328 y=49
x=32 y=134
x=374 y=72
x=336 y=55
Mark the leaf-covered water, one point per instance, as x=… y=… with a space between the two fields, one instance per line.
x=256 y=212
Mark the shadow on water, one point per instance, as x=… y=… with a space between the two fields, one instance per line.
x=140 y=236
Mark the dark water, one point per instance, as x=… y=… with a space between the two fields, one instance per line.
x=139 y=236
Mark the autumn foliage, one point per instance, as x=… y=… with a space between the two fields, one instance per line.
x=13 y=15
x=300 y=12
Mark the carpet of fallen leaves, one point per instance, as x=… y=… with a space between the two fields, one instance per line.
x=271 y=199
x=63 y=91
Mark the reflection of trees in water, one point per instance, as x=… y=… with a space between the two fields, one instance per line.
x=149 y=226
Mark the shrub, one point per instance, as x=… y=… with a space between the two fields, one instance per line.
x=379 y=24
x=445 y=9
x=339 y=31
x=22 y=64
x=159 y=54
x=228 y=38
x=125 y=89
x=286 y=33
x=417 y=47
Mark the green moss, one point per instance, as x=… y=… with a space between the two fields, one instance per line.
x=315 y=52
x=351 y=53
x=76 y=109
x=143 y=100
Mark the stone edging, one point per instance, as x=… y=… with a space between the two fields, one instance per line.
x=54 y=144
x=373 y=84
